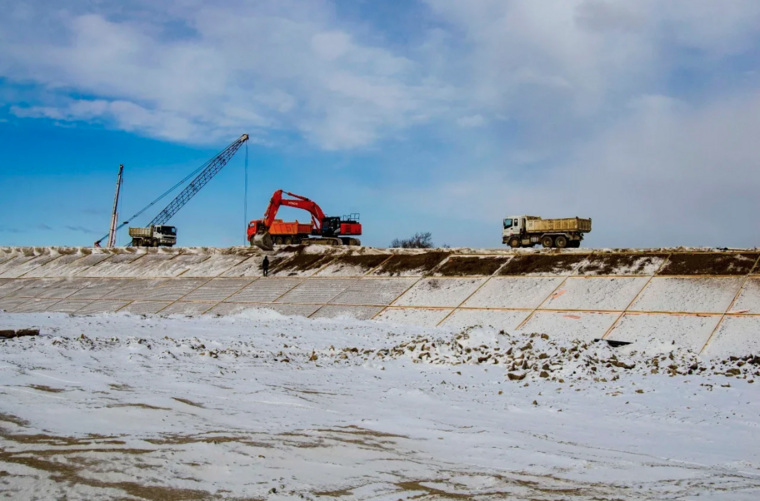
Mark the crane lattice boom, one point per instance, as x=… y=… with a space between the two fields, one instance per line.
x=214 y=166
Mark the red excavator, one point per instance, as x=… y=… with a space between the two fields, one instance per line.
x=267 y=232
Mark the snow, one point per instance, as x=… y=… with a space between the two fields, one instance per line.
x=574 y=325
x=425 y=317
x=257 y=405
x=440 y=292
x=689 y=331
x=697 y=295
x=749 y=298
x=601 y=293
x=513 y=292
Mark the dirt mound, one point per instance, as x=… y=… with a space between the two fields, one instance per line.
x=366 y=261
x=620 y=264
x=298 y=263
x=712 y=263
x=543 y=263
x=403 y=263
x=471 y=265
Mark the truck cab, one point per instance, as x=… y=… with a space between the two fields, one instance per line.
x=165 y=235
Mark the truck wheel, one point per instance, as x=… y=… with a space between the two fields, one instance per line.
x=514 y=242
x=287 y=241
x=278 y=240
x=547 y=241
x=560 y=241
x=574 y=244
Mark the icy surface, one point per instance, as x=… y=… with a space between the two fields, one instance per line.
x=256 y=405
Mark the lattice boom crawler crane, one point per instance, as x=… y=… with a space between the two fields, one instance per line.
x=326 y=230
x=158 y=233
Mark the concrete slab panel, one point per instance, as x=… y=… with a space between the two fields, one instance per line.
x=60 y=267
x=688 y=331
x=117 y=265
x=439 y=292
x=162 y=289
x=736 y=336
x=425 y=317
x=250 y=267
x=62 y=288
x=317 y=291
x=570 y=325
x=149 y=266
x=183 y=308
x=9 y=285
x=499 y=319
x=214 y=266
x=145 y=307
x=9 y=304
x=104 y=306
x=69 y=306
x=749 y=299
x=33 y=287
x=224 y=309
x=36 y=306
x=513 y=292
x=357 y=312
x=292 y=310
x=602 y=293
x=178 y=265
x=218 y=289
x=265 y=290
x=97 y=288
x=17 y=260
x=687 y=294
x=20 y=266
x=374 y=291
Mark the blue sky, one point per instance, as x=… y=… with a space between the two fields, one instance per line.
x=430 y=115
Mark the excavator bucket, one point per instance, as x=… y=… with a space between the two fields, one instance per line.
x=263 y=241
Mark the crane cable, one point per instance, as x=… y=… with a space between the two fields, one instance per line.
x=245 y=196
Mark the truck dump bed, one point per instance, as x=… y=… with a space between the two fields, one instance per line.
x=139 y=232
x=565 y=224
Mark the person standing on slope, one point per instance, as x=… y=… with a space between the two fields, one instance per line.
x=265 y=266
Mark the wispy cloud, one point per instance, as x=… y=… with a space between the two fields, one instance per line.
x=80 y=229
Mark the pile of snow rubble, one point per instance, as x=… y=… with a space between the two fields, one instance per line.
x=527 y=357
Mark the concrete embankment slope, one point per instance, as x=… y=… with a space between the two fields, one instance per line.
x=705 y=300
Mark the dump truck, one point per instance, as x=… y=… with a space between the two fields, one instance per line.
x=154 y=236
x=527 y=231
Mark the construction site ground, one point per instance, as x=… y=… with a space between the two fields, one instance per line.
x=379 y=374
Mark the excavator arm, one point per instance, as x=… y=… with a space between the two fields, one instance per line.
x=263 y=239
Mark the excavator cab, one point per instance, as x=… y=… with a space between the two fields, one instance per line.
x=331 y=226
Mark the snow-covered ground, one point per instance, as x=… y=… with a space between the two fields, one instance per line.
x=258 y=405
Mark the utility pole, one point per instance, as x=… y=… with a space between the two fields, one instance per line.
x=114 y=216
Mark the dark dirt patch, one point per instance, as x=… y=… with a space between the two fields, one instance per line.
x=709 y=263
x=619 y=264
x=462 y=266
x=542 y=263
x=188 y=402
x=298 y=262
x=367 y=262
x=401 y=263
x=42 y=387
